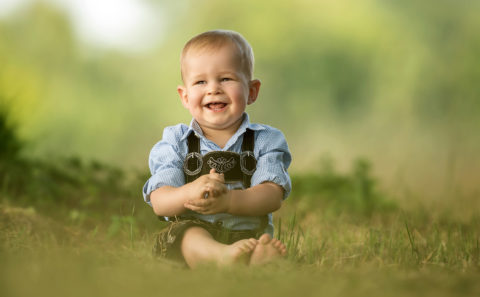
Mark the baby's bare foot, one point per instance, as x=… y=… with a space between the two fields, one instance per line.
x=238 y=252
x=267 y=250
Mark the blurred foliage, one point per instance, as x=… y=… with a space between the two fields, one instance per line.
x=70 y=189
x=396 y=81
x=85 y=193
x=10 y=143
x=393 y=81
x=355 y=192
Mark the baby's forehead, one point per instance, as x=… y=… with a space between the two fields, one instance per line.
x=197 y=50
x=195 y=53
x=245 y=63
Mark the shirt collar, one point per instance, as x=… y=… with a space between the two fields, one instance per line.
x=195 y=128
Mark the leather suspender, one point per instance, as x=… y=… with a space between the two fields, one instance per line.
x=248 y=157
x=193 y=160
x=236 y=167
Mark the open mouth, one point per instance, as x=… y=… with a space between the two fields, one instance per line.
x=216 y=106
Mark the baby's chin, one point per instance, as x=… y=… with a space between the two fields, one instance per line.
x=220 y=125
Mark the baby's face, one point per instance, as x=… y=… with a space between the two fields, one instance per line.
x=216 y=91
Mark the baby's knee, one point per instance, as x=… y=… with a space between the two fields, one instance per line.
x=194 y=231
x=193 y=235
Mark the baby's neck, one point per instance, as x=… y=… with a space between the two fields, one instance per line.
x=219 y=137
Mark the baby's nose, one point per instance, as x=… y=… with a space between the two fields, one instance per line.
x=214 y=88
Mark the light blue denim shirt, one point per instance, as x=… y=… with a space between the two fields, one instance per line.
x=271 y=151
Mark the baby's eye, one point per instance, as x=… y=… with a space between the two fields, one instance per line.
x=200 y=82
x=226 y=78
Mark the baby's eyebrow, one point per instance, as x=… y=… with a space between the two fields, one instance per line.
x=197 y=77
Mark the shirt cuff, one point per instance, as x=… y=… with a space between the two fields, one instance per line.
x=167 y=177
x=283 y=179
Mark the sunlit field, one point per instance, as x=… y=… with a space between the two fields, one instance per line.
x=379 y=103
x=65 y=231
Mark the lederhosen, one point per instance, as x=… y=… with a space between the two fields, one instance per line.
x=236 y=168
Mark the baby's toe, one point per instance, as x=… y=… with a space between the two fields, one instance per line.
x=250 y=245
x=276 y=243
x=265 y=239
x=280 y=247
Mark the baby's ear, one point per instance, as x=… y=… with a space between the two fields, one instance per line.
x=253 y=89
x=182 y=91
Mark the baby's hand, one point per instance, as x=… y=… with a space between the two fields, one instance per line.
x=214 y=196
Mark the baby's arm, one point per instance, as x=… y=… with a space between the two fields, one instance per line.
x=271 y=183
x=255 y=201
x=170 y=201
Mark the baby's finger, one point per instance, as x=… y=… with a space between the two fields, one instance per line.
x=195 y=208
x=215 y=192
x=218 y=191
x=207 y=190
x=214 y=185
x=217 y=176
x=221 y=177
x=220 y=188
x=200 y=202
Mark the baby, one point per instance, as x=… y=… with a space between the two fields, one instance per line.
x=218 y=180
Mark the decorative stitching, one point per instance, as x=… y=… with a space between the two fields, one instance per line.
x=243 y=161
x=193 y=155
x=221 y=164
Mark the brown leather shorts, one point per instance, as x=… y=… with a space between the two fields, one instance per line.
x=168 y=240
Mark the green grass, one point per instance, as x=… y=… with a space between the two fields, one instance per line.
x=337 y=258
x=68 y=228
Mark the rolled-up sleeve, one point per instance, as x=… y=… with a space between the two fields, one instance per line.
x=273 y=159
x=166 y=163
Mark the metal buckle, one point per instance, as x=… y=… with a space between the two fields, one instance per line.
x=243 y=162
x=193 y=155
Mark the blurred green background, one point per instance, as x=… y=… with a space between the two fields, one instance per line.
x=395 y=82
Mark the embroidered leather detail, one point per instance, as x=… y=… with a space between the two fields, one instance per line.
x=199 y=164
x=248 y=156
x=221 y=164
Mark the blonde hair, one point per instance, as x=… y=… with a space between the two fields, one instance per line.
x=216 y=39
